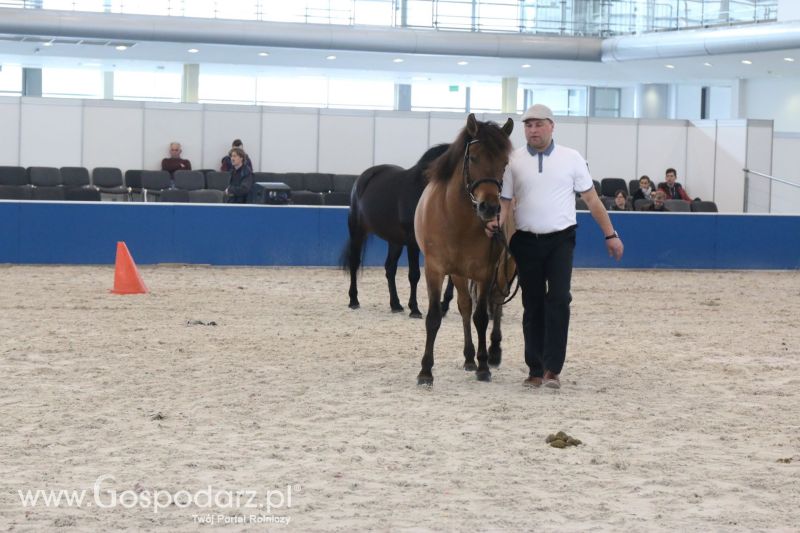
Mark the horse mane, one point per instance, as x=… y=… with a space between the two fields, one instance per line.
x=492 y=138
x=431 y=154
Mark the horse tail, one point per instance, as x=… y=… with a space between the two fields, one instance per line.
x=352 y=256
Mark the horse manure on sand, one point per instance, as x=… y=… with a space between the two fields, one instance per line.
x=562 y=440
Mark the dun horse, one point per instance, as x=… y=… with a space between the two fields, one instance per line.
x=462 y=195
x=382 y=202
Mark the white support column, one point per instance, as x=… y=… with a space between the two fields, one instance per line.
x=510 y=87
x=108 y=85
x=191 y=83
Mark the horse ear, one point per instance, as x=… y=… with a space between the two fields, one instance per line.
x=508 y=127
x=472 y=125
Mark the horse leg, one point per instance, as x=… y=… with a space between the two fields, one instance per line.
x=448 y=296
x=354 y=250
x=413 y=278
x=481 y=320
x=432 y=322
x=464 y=302
x=495 y=351
x=395 y=250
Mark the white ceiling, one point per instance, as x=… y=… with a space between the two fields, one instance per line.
x=245 y=60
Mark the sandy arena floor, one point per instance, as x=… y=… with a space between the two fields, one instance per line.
x=683 y=386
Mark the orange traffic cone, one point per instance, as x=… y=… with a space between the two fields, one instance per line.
x=126 y=276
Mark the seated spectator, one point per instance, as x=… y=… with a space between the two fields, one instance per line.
x=672 y=188
x=174 y=161
x=658 y=201
x=620 y=201
x=227 y=166
x=241 y=178
x=645 y=190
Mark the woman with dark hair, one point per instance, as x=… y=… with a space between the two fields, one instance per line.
x=620 y=201
x=241 y=178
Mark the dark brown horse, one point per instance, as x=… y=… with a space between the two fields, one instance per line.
x=383 y=202
x=462 y=195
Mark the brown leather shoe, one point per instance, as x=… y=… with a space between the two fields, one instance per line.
x=551 y=380
x=533 y=381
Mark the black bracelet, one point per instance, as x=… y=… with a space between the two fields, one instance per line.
x=614 y=235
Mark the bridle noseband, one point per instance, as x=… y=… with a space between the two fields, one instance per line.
x=471 y=186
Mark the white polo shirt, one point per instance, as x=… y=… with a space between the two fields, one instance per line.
x=544 y=185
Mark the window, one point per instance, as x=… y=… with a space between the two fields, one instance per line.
x=606 y=102
x=438 y=97
x=72 y=83
x=485 y=97
x=153 y=86
x=10 y=80
x=226 y=89
x=563 y=100
x=364 y=94
x=297 y=91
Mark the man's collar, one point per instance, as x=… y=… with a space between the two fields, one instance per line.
x=547 y=151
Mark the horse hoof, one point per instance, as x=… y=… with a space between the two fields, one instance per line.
x=494 y=362
x=470 y=366
x=397 y=309
x=425 y=380
x=483 y=375
x=354 y=306
x=415 y=314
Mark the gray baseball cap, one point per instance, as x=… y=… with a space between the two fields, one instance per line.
x=538 y=112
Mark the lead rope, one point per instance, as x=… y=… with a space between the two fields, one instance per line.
x=500 y=235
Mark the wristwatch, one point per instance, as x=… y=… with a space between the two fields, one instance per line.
x=614 y=235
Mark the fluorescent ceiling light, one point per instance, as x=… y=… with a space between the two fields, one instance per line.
x=192 y=50
x=462 y=63
x=263 y=54
x=746 y=62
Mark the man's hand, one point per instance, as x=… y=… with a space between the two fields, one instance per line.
x=615 y=248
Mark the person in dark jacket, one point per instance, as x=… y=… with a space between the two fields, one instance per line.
x=672 y=188
x=226 y=165
x=241 y=178
x=620 y=201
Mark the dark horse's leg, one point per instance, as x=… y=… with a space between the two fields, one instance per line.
x=465 y=308
x=432 y=322
x=495 y=351
x=481 y=320
x=395 y=251
x=413 y=278
x=353 y=254
x=448 y=296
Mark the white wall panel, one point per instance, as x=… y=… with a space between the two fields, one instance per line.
x=571 y=132
x=444 y=128
x=702 y=137
x=166 y=123
x=50 y=132
x=289 y=140
x=346 y=141
x=730 y=160
x=662 y=145
x=611 y=148
x=223 y=124
x=759 y=159
x=9 y=132
x=785 y=198
x=400 y=138
x=112 y=134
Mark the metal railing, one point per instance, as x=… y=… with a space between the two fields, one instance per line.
x=562 y=17
x=759 y=193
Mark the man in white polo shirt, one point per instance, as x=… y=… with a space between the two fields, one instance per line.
x=543 y=178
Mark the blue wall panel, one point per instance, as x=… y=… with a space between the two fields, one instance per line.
x=87 y=233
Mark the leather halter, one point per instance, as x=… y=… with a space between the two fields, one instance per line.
x=471 y=186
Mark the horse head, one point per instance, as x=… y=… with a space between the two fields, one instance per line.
x=486 y=150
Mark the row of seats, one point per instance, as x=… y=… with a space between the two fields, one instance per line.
x=313 y=188
x=202 y=186
x=675 y=206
